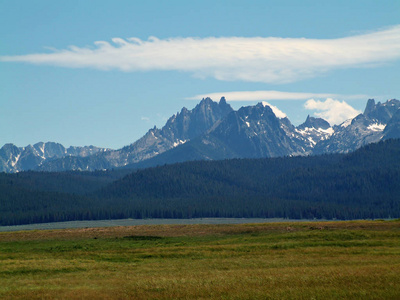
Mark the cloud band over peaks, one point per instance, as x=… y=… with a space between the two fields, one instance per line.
x=255 y=59
x=271 y=95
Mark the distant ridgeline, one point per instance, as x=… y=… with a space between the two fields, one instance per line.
x=214 y=131
x=362 y=184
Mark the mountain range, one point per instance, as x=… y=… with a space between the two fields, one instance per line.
x=214 y=131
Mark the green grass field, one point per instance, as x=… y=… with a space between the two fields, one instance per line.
x=315 y=260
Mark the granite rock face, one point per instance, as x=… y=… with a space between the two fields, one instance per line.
x=213 y=130
x=16 y=159
x=365 y=128
x=179 y=129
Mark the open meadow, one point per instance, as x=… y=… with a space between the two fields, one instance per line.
x=299 y=260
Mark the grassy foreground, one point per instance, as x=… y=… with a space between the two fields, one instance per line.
x=318 y=260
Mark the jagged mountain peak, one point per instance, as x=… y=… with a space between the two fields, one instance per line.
x=366 y=128
x=260 y=107
x=209 y=102
x=278 y=113
x=9 y=147
x=392 y=102
x=49 y=149
x=313 y=131
x=188 y=124
x=316 y=123
x=252 y=131
x=184 y=110
x=205 y=106
x=205 y=103
x=206 y=100
x=381 y=112
x=30 y=157
x=254 y=116
x=262 y=110
x=179 y=129
x=213 y=130
x=370 y=106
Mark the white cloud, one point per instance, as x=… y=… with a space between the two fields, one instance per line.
x=145 y=119
x=271 y=95
x=278 y=113
x=334 y=111
x=258 y=59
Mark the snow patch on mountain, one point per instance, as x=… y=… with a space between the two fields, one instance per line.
x=307 y=130
x=376 y=127
x=14 y=160
x=152 y=133
x=179 y=142
x=346 y=123
x=253 y=131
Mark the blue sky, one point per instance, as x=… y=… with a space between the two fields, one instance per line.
x=58 y=84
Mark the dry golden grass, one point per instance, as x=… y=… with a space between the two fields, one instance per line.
x=318 y=260
x=189 y=230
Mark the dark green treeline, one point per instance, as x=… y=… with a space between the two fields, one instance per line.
x=363 y=184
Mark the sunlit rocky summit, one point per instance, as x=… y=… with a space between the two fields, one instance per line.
x=213 y=131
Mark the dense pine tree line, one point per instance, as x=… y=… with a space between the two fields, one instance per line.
x=362 y=184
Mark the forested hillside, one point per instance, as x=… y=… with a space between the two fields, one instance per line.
x=35 y=197
x=362 y=184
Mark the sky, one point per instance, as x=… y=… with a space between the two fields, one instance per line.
x=104 y=72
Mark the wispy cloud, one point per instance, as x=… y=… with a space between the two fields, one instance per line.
x=257 y=59
x=278 y=113
x=271 y=95
x=334 y=111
